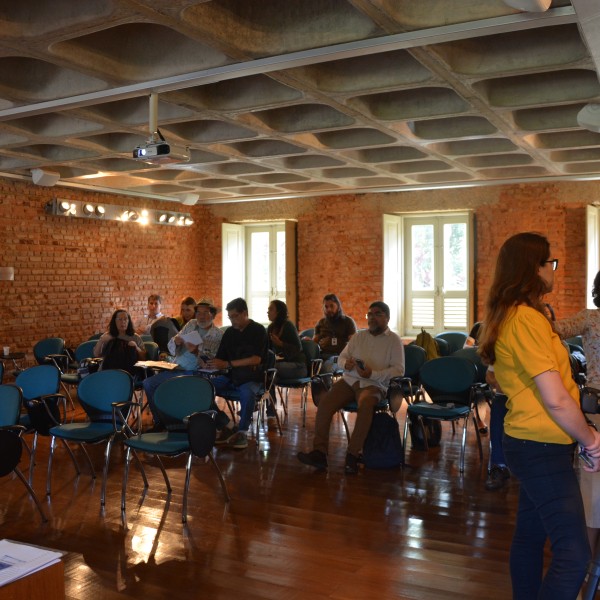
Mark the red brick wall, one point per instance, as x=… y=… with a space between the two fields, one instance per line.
x=70 y=274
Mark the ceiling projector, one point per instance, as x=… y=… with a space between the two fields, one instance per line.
x=161 y=153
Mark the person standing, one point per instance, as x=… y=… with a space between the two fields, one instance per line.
x=587 y=324
x=542 y=424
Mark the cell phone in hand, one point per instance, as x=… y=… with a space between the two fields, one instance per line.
x=359 y=363
x=585 y=457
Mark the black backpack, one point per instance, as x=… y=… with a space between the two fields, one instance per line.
x=433 y=431
x=119 y=355
x=383 y=446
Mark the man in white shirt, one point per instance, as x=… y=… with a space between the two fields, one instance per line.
x=372 y=357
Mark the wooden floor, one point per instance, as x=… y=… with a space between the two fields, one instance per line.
x=289 y=533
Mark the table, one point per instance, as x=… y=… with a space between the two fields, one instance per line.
x=14 y=356
x=47 y=584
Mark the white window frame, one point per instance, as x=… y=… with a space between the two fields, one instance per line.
x=396 y=266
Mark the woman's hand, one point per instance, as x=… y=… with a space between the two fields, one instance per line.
x=276 y=340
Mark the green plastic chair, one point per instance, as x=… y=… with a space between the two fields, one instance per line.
x=106 y=399
x=175 y=400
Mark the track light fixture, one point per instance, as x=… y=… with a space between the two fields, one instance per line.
x=88 y=210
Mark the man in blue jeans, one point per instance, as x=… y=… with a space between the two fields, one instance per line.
x=241 y=353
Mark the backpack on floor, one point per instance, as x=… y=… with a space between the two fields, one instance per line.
x=383 y=446
x=433 y=432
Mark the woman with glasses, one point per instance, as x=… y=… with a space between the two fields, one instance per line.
x=543 y=424
x=586 y=323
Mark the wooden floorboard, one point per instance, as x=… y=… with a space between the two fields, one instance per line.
x=289 y=533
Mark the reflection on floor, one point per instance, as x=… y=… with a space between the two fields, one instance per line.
x=423 y=532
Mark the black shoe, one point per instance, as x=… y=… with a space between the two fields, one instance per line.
x=315 y=458
x=351 y=467
x=497 y=478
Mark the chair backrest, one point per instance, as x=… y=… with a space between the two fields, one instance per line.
x=162 y=331
x=11 y=448
x=1 y=372
x=310 y=333
x=448 y=379
x=85 y=350
x=152 y=350
x=311 y=350
x=94 y=337
x=99 y=390
x=181 y=396
x=414 y=358
x=472 y=355
x=577 y=340
x=38 y=381
x=146 y=337
x=202 y=433
x=455 y=340
x=43 y=348
x=11 y=399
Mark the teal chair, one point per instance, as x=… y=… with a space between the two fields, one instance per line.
x=451 y=341
x=46 y=407
x=311 y=353
x=175 y=400
x=82 y=352
x=106 y=399
x=451 y=384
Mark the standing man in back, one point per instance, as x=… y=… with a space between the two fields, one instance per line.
x=333 y=331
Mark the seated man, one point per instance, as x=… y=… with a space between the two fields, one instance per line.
x=142 y=326
x=185 y=354
x=333 y=331
x=242 y=351
x=372 y=357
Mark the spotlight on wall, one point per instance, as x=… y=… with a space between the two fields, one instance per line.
x=112 y=212
x=43 y=177
x=589 y=117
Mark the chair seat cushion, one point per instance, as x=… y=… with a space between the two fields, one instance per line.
x=446 y=411
x=293 y=383
x=83 y=432
x=167 y=443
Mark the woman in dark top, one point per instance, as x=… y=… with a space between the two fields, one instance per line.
x=120 y=346
x=285 y=342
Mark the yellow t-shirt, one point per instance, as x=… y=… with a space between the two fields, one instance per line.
x=526 y=347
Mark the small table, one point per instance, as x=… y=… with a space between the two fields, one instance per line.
x=14 y=356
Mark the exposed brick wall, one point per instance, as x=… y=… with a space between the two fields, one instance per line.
x=71 y=274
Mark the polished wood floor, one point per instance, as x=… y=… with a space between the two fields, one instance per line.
x=289 y=533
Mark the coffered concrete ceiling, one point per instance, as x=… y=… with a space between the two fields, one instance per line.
x=286 y=98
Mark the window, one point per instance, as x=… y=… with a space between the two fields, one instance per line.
x=427 y=271
x=259 y=265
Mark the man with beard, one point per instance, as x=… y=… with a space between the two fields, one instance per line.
x=333 y=331
x=185 y=354
x=372 y=357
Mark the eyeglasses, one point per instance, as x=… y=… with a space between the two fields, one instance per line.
x=375 y=314
x=554 y=262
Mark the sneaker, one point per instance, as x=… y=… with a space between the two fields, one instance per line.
x=238 y=440
x=496 y=478
x=225 y=435
x=351 y=467
x=315 y=458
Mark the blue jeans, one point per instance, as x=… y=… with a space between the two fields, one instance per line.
x=498 y=411
x=550 y=506
x=247 y=397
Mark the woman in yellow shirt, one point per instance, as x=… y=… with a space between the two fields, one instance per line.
x=543 y=422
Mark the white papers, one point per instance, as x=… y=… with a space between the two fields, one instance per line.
x=19 y=560
x=156 y=364
x=193 y=337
